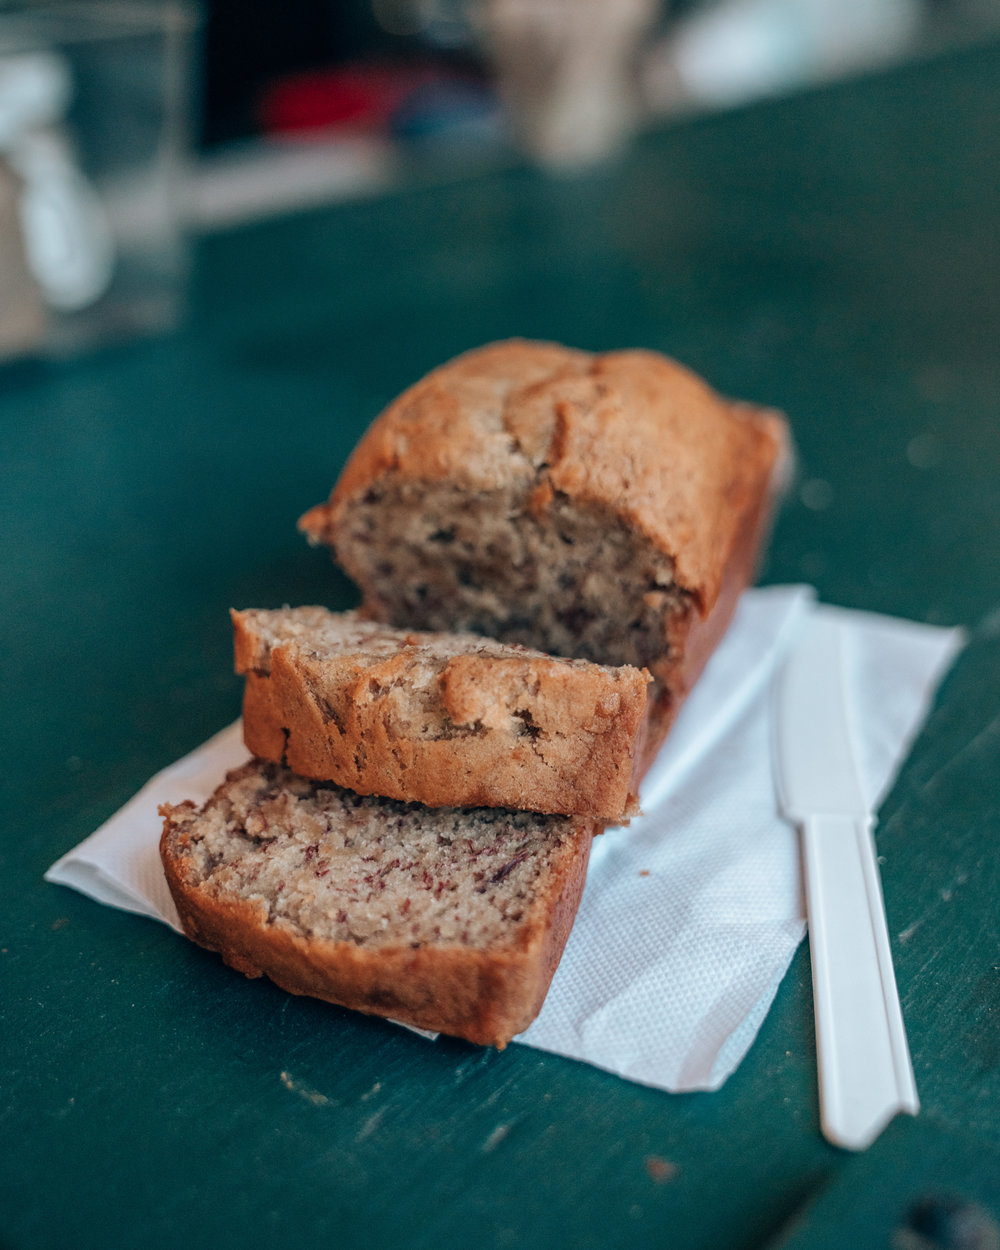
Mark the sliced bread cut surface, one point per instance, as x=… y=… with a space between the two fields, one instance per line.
x=448 y=919
x=608 y=507
x=448 y=720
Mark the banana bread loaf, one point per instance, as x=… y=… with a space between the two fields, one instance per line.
x=607 y=507
x=448 y=919
x=450 y=720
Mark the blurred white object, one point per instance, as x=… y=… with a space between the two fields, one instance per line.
x=94 y=104
x=735 y=50
x=567 y=72
x=35 y=91
x=67 y=237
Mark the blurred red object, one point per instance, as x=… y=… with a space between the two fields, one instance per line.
x=355 y=96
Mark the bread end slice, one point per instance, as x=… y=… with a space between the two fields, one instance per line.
x=452 y=920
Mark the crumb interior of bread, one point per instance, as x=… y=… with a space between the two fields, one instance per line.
x=574 y=581
x=349 y=868
x=318 y=632
x=411 y=692
x=322 y=635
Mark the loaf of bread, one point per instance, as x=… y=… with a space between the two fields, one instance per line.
x=448 y=919
x=606 y=507
x=449 y=720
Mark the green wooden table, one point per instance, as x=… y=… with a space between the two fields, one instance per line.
x=837 y=255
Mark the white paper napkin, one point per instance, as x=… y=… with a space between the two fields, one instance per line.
x=691 y=915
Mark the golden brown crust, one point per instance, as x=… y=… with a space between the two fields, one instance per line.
x=631 y=431
x=697 y=636
x=483 y=995
x=517 y=730
x=449 y=426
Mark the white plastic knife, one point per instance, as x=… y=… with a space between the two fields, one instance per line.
x=865 y=1071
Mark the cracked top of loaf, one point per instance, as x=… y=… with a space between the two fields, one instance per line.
x=630 y=431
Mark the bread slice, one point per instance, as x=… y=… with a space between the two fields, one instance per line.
x=607 y=507
x=448 y=919
x=449 y=720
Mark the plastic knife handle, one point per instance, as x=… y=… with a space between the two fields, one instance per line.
x=865 y=1072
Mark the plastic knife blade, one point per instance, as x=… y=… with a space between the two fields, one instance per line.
x=865 y=1071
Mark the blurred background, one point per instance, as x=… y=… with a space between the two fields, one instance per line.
x=127 y=128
